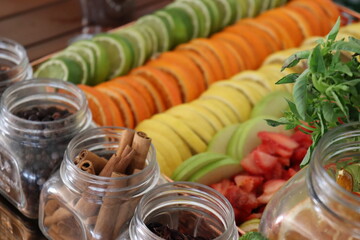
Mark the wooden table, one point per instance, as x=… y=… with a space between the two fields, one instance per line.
x=45 y=26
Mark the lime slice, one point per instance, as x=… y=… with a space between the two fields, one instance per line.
x=138 y=42
x=225 y=12
x=102 y=66
x=242 y=7
x=89 y=56
x=183 y=25
x=254 y=7
x=60 y=68
x=215 y=15
x=275 y=3
x=203 y=14
x=194 y=14
x=233 y=7
x=76 y=57
x=119 y=52
x=168 y=19
x=265 y=5
x=161 y=28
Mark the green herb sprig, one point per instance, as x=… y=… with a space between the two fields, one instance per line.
x=327 y=93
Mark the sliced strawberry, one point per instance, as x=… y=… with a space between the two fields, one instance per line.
x=249 y=165
x=264 y=160
x=222 y=186
x=302 y=139
x=278 y=139
x=248 y=183
x=284 y=161
x=298 y=155
x=288 y=173
x=270 y=188
x=275 y=173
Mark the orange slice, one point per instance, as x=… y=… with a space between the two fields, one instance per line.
x=103 y=109
x=135 y=100
x=330 y=9
x=159 y=102
x=316 y=10
x=227 y=60
x=240 y=45
x=141 y=89
x=185 y=62
x=122 y=104
x=207 y=55
x=166 y=84
x=288 y=22
x=311 y=19
x=205 y=67
x=189 y=88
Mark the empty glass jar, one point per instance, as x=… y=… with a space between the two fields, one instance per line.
x=31 y=150
x=313 y=205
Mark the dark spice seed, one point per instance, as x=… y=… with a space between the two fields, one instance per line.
x=170 y=234
x=43 y=114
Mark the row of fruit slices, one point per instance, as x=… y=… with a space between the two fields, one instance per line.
x=181 y=75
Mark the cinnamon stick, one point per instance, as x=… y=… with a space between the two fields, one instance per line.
x=125 y=140
x=59 y=215
x=87 y=166
x=141 y=144
x=109 y=210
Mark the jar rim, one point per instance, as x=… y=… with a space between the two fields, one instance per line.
x=22 y=54
x=82 y=106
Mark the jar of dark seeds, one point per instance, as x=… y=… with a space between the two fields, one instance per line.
x=183 y=211
x=14 y=63
x=38 y=118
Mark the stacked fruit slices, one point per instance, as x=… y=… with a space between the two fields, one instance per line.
x=181 y=75
x=133 y=45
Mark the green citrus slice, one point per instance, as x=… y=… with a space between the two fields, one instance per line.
x=119 y=52
x=214 y=14
x=242 y=7
x=184 y=29
x=60 y=68
x=102 y=66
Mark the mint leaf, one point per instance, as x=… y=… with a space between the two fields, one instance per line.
x=334 y=31
x=290 y=78
x=300 y=94
x=252 y=236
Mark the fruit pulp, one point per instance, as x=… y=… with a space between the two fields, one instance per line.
x=304 y=222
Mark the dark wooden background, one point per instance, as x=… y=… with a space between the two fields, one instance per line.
x=45 y=26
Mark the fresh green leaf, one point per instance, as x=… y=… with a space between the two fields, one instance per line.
x=290 y=78
x=343 y=68
x=346 y=46
x=295 y=59
x=300 y=94
x=353 y=82
x=252 y=236
x=274 y=123
x=316 y=61
x=352 y=39
x=328 y=111
x=334 y=31
x=306 y=159
x=292 y=108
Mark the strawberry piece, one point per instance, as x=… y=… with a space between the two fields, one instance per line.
x=248 y=183
x=270 y=188
x=298 y=156
x=275 y=173
x=264 y=160
x=287 y=174
x=303 y=139
x=249 y=165
x=222 y=186
x=278 y=139
x=284 y=161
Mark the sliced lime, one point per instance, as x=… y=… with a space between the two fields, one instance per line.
x=225 y=12
x=161 y=28
x=76 y=57
x=254 y=7
x=138 y=42
x=168 y=19
x=275 y=3
x=265 y=5
x=233 y=7
x=102 y=66
x=194 y=14
x=89 y=56
x=119 y=52
x=216 y=18
x=183 y=25
x=60 y=68
x=242 y=7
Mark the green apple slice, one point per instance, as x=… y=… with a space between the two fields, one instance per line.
x=274 y=104
x=217 y=171
x=195 y=163
x=245 y=138
x=219 y=142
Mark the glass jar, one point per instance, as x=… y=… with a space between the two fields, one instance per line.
x=190 y=208
x=75 y=204
x=30 y=151
x=14 y=226
x=14 y=63
x=312 y=205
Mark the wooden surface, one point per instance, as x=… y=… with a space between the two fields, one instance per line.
x=46 y=26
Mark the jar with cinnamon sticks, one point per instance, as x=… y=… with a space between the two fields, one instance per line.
x=182 y=210
x=38 y=118
x=104 y=174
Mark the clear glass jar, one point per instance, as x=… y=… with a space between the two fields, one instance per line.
x=186 y=207
x=30 y=151
x=312 y=205
x=14 y=63
x=78 y=205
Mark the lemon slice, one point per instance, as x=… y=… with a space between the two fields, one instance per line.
x=60 y=68
x=119 y=52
